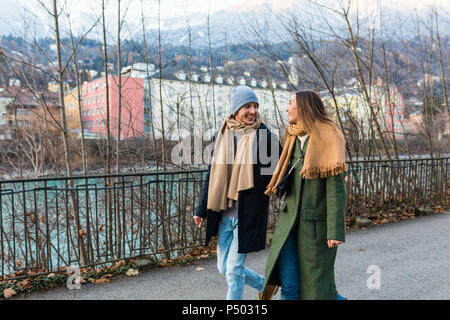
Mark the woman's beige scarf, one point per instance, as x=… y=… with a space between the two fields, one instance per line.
x=230 y=174
x=325 y=155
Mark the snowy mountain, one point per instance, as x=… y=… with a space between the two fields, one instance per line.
x=240 y=21
x=248 y=19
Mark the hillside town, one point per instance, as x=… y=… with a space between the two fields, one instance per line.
x=194 y=104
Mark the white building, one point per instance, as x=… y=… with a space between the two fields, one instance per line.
x=219 y=79
x=188 y=107
x=4 y=101
x=241 y=81
x=294 y=65
x=389 y=109
x=181 y=75
x=229 y=80
x=207 y=78
x=194 y=77
x=139 y=70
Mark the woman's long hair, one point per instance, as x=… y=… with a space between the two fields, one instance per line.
x=310 y=108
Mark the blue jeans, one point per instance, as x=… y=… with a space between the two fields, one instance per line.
x=231 y=263
x=288 y=269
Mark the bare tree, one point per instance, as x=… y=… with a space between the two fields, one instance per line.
x=163 y=135
x=211 y=64
x=441 y=60
x=78 y=87
x=148 y=93
x=108 y=107
x=119 y=88
x=426 y=114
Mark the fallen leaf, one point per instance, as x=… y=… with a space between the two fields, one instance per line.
x=132 y=272
x=51 y=275
x=79 y=280
x=102 y=280
x=9 y=293
x=120 y=263
x=99 y=281
x=27 y=284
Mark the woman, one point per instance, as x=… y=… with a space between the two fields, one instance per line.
x=311 y=223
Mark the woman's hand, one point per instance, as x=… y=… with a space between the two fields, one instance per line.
x=198 y=221
x=332 y=243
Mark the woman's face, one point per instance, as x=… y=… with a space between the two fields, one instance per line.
x=292 y=110
x=247 y=114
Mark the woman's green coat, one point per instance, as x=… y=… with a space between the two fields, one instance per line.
x=316 y=209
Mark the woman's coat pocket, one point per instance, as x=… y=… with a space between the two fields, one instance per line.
x=315 y=221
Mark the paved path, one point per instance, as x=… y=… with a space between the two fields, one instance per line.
x=413 y=257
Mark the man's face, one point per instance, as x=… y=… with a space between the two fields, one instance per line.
x=247 y=114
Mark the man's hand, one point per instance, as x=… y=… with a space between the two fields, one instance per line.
x=198 y=221
x=332 y=243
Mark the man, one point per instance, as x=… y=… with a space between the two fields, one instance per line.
x=233 y=202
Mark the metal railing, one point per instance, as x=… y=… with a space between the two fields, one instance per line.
x=384 y=185
x=48 y=224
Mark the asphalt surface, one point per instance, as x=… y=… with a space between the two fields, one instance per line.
x=411 y=257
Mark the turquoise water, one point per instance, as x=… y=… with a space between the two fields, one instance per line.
x=122 y=219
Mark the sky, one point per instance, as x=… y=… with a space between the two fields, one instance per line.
x=12 y=12
x=83 y=13
x=169 y=8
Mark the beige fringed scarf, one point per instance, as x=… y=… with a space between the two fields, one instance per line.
x=324 y=157
x=230 y=174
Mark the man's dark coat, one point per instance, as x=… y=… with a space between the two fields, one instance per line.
x=253 y=204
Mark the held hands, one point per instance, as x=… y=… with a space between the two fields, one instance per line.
x=198 y=221
x=332 y=243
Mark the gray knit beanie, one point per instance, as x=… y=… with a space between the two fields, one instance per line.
x=241 y=95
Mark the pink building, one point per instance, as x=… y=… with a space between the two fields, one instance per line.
x=392 y=107
x=132 y=111
x=394 y=110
